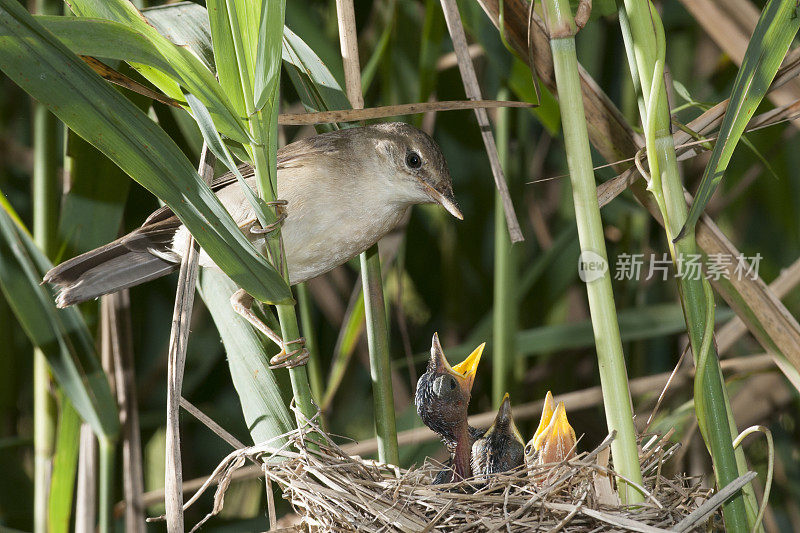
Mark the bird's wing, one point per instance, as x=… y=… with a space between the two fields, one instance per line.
x=165 y=213
x=308 y=150
x=293 y=155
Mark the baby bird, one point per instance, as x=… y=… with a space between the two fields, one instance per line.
x=442 y=399
x=554 y=440
x=501 y=448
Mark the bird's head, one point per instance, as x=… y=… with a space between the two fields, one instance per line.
x=504 y=422
x=443 y=391
x=554 y=439
x=501 y=448
x=419 y=167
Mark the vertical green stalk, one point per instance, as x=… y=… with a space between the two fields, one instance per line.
x=645 y=40
x=298 y=375
x=380 y=365
x=505 y=303
x=374 y=302
x=307 y=327
x=105 y=485
x=47 y=152
x=610 y=358
x=263 y=124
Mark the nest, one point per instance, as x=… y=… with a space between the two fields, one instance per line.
x=332 y=491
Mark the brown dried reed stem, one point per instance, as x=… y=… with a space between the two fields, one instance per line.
x=472 y=88
x=176 y=360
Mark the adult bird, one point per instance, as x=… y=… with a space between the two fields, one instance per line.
x=342 y=191
x=554 y=440
x=442 y=399
x=501 y=448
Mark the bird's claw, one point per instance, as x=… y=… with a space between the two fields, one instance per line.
x=291 y=359
x=269 y=228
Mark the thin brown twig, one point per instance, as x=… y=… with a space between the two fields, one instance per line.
x=733 y=330
x=473 y=91
x=666 y=386
x=370 y=113
x=176 y=360
x=118 y=312
x=207 y=421
x=117 y=78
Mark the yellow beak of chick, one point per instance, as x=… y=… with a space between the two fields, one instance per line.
x=554 y=439
x=466 y=369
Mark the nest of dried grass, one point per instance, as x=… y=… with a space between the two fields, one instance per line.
x=332 y=491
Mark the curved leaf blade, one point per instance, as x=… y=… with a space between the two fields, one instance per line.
x=774 y=32
x=270 y=36
x=46 y=69
x=192 y=73
x=61 y=334
x=219 y=149
x=264 y=393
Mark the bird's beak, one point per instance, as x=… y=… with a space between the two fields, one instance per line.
x=446 y=199
x=556 y=442
x=469 y=366
x=504 y=418
x=547 y=414
x=464 y=371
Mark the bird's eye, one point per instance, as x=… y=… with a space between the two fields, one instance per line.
x=413 y=160
x=444 y=386
x=528 y=449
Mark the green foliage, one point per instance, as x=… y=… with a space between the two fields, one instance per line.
x=265 y=394
x=774 y=32
x=61 y=334
x=65 y=461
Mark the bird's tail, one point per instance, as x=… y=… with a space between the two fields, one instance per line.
x=143 y=255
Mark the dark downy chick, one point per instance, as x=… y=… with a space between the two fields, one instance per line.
x=442 y=399
x=501 y=448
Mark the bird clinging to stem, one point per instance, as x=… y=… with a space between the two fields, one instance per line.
x=442 y=399
x=342 y=191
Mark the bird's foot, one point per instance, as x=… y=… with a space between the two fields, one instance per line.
x=269 y=228
x=242 y=303
x=290 y=359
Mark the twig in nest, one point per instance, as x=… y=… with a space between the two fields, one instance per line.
x=331 y=490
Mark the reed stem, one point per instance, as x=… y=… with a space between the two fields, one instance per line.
x=298 y=375
x=105 y=486
x=374 y=303
x=380 y=364
x=264 y=160
x=645 y=41
x=504 y=316
x=47 y=154
x=307 y=326
x=594 y=259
